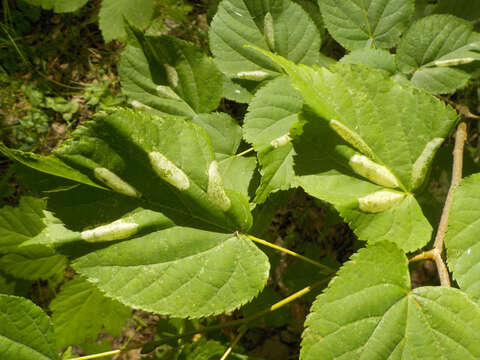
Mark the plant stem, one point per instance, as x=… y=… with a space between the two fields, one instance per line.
x=241 y=332
x=237 y=155
x=289 y=252
x=436 y=253
x=99 y=355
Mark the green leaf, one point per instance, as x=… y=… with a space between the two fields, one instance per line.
x=47 y=164
x=466 y=9
x=277 y=171
x=18 y=224
x=281 y=26
x=224 y=132
x=80 y=310
x=59 y=6
x=235 y=92
x=432 y=46
x=33 y=267
x=267 y=124
x=181 y=272
x=169 y=75
x=113 y=12
x=375 y=58
x=25 y=331
x=164 y=164
x=237 y=172
x=25 y=223
x=392 y=131
x=461 y=240
x=359 y=24
x=369 y=311
x=440 y=80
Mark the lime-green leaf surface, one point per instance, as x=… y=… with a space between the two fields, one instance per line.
x=182 y=272
x=80 y=310
x=169 y=75
x=435 y=44
x=325 y=174
x=271 y=114
x=25 y=331
x=277 y=171
x=461 y=241
x=113 y=12
x=375 y=58
x=358 y=24
x=236 y=172
x=281 y=26
x=377 y=144
x=166 y=164
x=369 y=311
x=59 y=6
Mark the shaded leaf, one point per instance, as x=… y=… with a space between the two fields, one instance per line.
x=169 y=75
x=26 y=332
x=80 y=310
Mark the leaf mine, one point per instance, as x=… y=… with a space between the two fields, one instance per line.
x=253 y=75
x=374 y=172
x=115 y=183
x=168 y=171
x=281 y=141
x=167 y=92
x=268 y=30
x=420 y=167
x=215 y=191
x=172 y=75
x=351 y=137
x=380 y=201
x=116 y=230
x=453 y=62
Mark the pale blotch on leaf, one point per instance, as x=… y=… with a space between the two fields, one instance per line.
x=172 y=75
x=454 y=62
x=138 y=105
x=420 y=166
x=372 y=171
x=380 y=201
x=351 y=137
x=253 y=75
x=117 y=230
x=167 y=92
x=168 y=171
x=268 y=31
x=215 y=191
x=114 y=182
x=281 y=141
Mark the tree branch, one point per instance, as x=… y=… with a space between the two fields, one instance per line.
x=460 y=138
